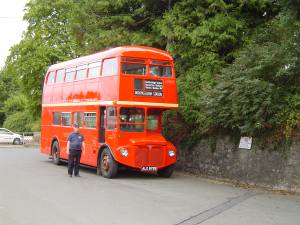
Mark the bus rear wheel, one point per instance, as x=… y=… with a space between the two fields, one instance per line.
x=55 y=152
x=166 y=172
x=108 y=165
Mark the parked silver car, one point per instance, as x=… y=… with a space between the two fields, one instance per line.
x=6 y=136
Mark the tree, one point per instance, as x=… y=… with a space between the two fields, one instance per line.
x=260 y=90
x=206 y=36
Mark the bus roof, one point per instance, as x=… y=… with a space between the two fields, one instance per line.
x=124 y=51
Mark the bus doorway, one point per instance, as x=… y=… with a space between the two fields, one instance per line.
x=102 y=125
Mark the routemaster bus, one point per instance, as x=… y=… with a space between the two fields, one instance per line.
x=117 y=98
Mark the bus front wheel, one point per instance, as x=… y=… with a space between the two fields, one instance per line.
x=55 y=152
x=166 y=172
x=108 y=165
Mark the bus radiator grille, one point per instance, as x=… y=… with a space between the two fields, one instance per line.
x=149 y=155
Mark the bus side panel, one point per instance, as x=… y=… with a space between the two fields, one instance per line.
x=62 y=134
x=67 y=92
x=47 y=94
x=57 y=97
x=109 y=87
x=79 y=90
x=92 y=86
x=91 y=138
x=46 y=121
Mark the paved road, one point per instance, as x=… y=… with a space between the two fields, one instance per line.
x=33 y=191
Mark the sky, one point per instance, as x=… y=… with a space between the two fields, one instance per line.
x=11 y=26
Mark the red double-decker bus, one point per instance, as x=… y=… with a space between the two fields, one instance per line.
x=117 y=98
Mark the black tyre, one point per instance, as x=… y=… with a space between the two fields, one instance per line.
x=166 y=172
x=108 y=165
x=17 y=141
x=99 y=166
x=55 y=152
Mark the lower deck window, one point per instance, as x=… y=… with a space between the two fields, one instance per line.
x=90 y=120
x=56 y=118
x=152 y=122
x=66 y=119
x=153 y=119
x=78 y=119
x=111 y=118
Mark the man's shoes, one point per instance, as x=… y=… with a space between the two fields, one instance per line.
x=77 y=175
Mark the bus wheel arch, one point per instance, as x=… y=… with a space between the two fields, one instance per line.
x=167 y=171
x=107 y=166
x=55 y=151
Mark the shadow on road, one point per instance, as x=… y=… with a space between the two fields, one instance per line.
x=123 y=173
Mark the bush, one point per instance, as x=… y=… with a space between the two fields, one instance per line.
x=18 y=122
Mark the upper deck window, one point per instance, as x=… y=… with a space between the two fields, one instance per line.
x=70 y=74
x=94 y=70
x=163 y=63
x=160 y=69
x=137 y=69
x=81 y=72
x=110 y=67
x=51 y=78
x=133 y=66
x=133 y=60
x=60 y=76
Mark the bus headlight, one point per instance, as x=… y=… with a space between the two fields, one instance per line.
x=124 y=152
x=171 y=153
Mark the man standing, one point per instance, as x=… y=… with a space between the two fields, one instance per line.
x=75 y=146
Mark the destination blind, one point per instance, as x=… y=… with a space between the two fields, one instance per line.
x=153 y=88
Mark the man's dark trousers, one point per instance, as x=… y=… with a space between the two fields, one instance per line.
x=74 y=160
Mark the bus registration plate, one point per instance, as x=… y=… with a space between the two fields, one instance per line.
x=149 y=168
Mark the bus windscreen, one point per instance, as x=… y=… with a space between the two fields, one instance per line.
x=132 y=119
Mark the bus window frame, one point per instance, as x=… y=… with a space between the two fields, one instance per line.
x=159 y=120
x=81 y=67
x=73 y=121
x=54 y=80
x=84 y=122
x=106 y=118
x=117 y=67
x=88 y=69
x=119 y=123
x=71 y=69
x=170 y=64
x=64 y=75
x=123 y=60
x=56 y=125
x=61 y=119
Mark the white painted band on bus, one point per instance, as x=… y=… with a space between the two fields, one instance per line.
x=147 y=103
x=170 y=105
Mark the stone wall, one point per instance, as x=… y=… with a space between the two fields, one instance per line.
x=220 y=157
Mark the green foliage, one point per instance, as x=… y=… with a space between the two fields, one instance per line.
x=241 y=103
x=15 y=104
x=204 y=37
x=237 y=62
x=260 y=89
x=18 y=122
x=18 y=117
x=46 y=41
x=99 y=25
